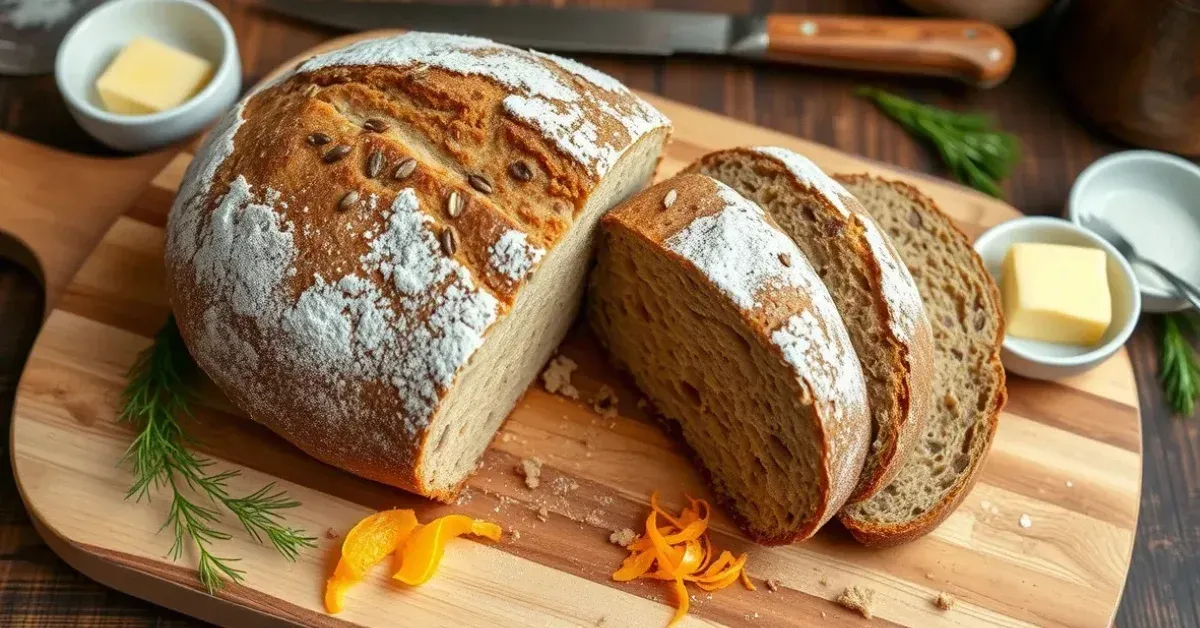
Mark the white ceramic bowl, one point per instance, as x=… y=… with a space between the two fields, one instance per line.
x=190 y=25
x=1047 y=360
x=1153 y=200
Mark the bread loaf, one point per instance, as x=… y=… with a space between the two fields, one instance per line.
x=374 y=254
x=872 y=289
x=968 y=379
x=729 y=331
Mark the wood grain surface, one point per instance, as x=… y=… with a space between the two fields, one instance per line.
x=36 y=588
x=1079 y=485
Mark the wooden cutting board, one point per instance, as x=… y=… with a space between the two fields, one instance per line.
x=1066 y=454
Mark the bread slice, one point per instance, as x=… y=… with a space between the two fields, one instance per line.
x=968 y=380
x=874 y=292
x=727 y=329
x=375 y=254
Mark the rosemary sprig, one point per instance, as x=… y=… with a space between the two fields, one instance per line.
x=154 y=399
x=974 y=151
x=1179 y=372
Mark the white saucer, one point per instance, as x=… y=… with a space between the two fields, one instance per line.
x=1153 y=199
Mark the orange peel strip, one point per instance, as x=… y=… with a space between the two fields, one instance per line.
x=681 y=609
x=635 y=566
x=368 y=542
x=693 y=554
x=668 y=557
x=746 y=581
x=423 y=552
x=660 y=510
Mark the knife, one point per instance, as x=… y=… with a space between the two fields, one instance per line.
x=971 y=51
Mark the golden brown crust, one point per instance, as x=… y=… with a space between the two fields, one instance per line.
x=648 y=217
x=269 y=225
x=911 y=384
x=887 y=535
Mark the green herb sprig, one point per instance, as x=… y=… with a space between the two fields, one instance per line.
x=155 y=398
x=1179 y=371
x=974 y=151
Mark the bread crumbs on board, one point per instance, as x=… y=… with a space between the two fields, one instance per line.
x=563 y=485
x=860 y=599
x=531 y=468
x=330 y=533
x=824 y=581
x=557 y=377
x=515 y=535
x=623 y=537
x=543 y=514
x=605 y=402
x=772 y=585
x=595 y=518
x=1025 y=521
x=944 y=601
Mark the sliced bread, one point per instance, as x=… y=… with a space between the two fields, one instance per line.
x=730 y=333
x=968 y=381
x=872 y=289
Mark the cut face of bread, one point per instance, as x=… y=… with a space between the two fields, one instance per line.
x=730 y=333
x=968 y=380
x=873 y=291
x=520 y=344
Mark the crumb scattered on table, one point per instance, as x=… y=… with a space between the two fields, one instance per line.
x=563 y=485
x=595 y=518
x=860 y=599
x=772 y=585
x=531 y=468
x=944 y=601
x=543 y=514
x=516 y=535
x=1025 y=521
x=824 y=581
x=929 y=575
x=1070 y=484
x=330 y=533
x=623 y=537
x=605 y=403
x=557 y=377
x=824 y=614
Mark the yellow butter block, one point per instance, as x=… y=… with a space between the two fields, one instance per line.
x=149 y=76
x=1056 y=293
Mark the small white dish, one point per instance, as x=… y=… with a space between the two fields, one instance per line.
x=1048 y=360
x=1153 y=200
x=190 y=25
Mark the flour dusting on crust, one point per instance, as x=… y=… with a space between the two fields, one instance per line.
x=513 y=256
x=809 y=174
x=543 y=96
x=343 y=331
x=905 y=307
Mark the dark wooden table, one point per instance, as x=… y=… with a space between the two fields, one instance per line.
x=36 y=588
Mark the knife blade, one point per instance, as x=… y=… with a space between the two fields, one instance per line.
x=972 y=51
x=657 y=33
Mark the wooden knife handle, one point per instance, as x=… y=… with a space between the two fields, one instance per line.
x=971 y=51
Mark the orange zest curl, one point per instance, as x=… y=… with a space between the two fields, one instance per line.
x=681 y=552
x=419 y=548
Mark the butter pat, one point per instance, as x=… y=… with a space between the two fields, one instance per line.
x=149 y=76
x=1056 y=293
